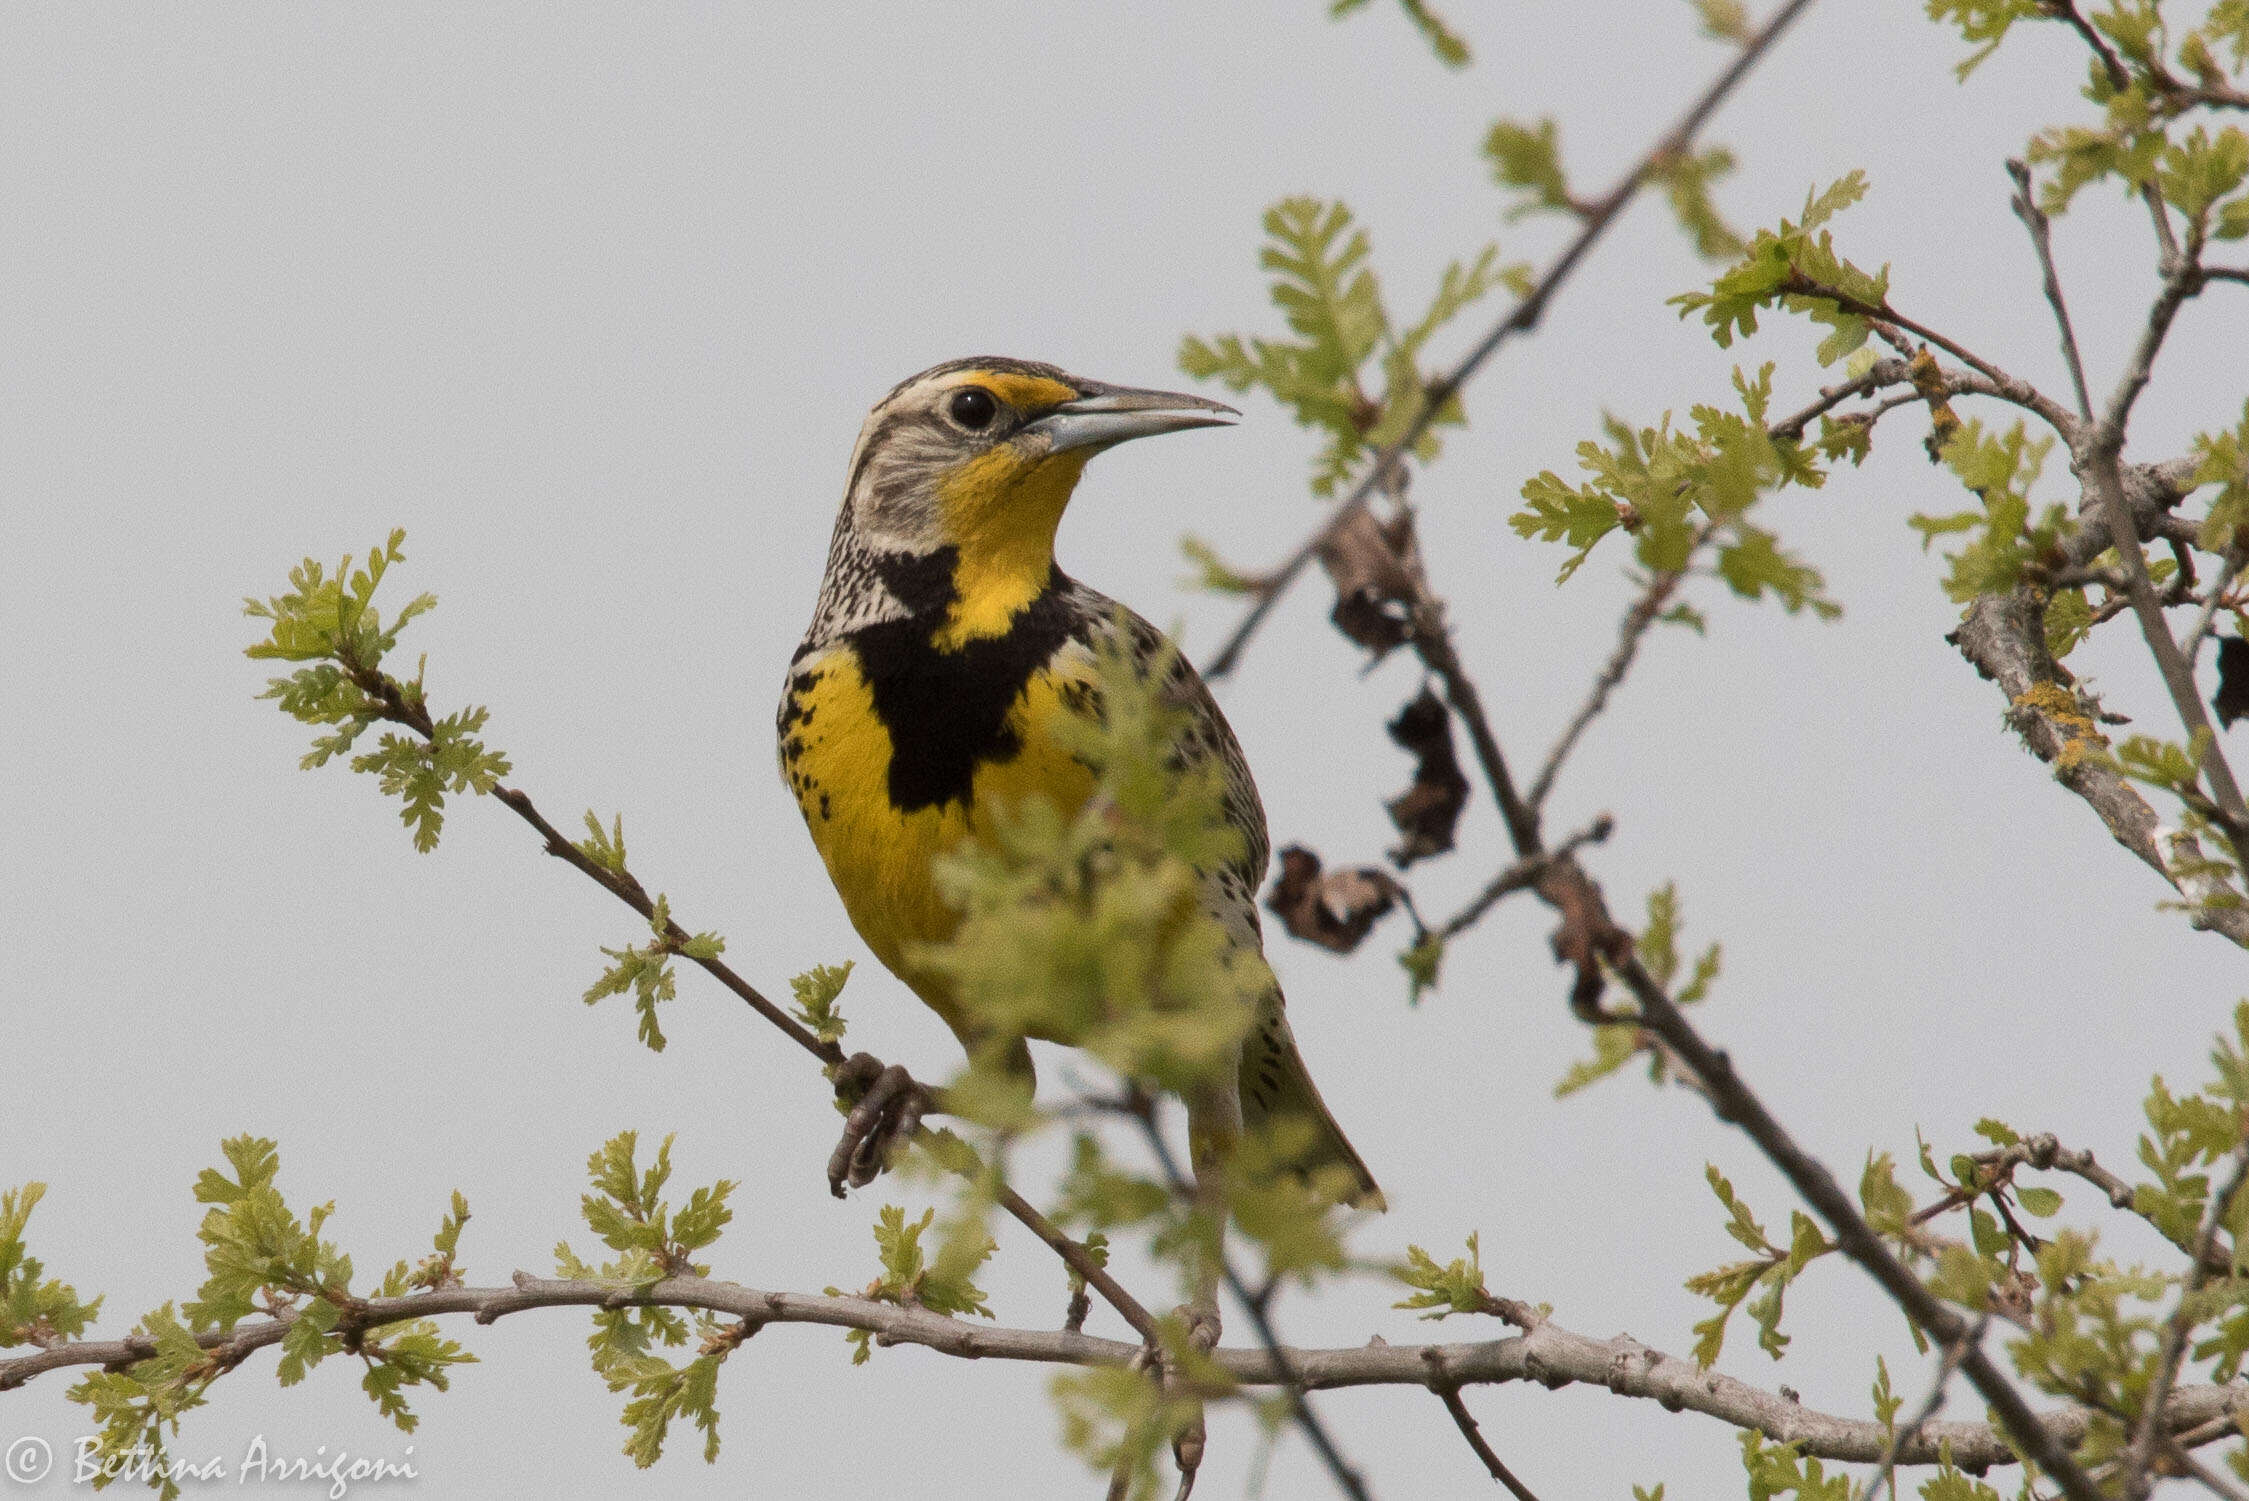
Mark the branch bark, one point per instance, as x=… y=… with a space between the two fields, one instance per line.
x=411 y=713
x=1545 y=1353
x=1522 y=319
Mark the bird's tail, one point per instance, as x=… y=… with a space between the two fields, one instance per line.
x=1276 y=1087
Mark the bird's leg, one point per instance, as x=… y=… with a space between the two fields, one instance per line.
x=1214 y=1131
x=888 y=1111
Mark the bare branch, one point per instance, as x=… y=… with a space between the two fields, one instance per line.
x=1448 y=1392
x=2207 y=616
x=1544 y=1353
x=1522 y=875
x=1522 y=319
x=2105 y=480
x=2034 y=220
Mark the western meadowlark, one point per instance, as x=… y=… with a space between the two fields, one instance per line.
x=944 y=644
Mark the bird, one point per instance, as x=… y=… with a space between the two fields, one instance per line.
x=945 y=640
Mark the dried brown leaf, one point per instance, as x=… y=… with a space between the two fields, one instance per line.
x=1373 y=565
x=1587 y=934
x=2232 y=700
x=1426 y=811
x=1334 y=909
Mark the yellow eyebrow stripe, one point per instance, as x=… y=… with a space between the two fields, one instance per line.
x=1025 y=393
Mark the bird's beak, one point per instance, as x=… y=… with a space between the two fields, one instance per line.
x=1108 y=415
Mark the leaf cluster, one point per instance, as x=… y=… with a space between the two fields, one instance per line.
x=330 y=622
x=911 y=1278
x=35 y=1309
x=2003 y=539
x=1675 y=493
x=1797 y=269
x=646 y=969
x=263 y=1258
x=1345 y=338
x=1767 y=1274
x=628 y=1210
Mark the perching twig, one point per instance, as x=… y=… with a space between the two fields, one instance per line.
x=413 y=715
x=1523 y=318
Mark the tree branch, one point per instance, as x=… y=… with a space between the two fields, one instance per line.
x=2148 y=1432
x=1522 y=319
x=2004 y=637
x=1736 y=1103
x=2034 y=220
x=1448 y=1392
x=1643 y=614
x=1544 y=1353
x=1522 y=875
x=401 y=709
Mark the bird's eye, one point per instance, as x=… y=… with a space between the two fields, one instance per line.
x=973 y=407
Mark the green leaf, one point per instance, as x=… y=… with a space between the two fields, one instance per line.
x=2043 y=1202
x=816 y=991
x=1455 y=1287
x=1753 y=566
x=1528 y=159
x=34 y=1308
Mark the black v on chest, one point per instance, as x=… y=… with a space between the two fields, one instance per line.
x=947 y=711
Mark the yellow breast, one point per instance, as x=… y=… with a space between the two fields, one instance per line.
x=838 y=756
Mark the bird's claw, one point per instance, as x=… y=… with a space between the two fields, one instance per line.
x=1187 y=1444
x=888 y=1111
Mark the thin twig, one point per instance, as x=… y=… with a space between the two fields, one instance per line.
x=2148 y=1431
x=1523 y=318
x=1883 y=372
x=409 y=711
x=1290 y=1380
x=1448 y=1392
x=2209 y=1479
x=2034 y=220
x=2207 y=617
x=1735 y=1102
x=1635 y=625
x=1522 y=875
x=1946 y=1366
x=2112 y=65
x=2012 y=388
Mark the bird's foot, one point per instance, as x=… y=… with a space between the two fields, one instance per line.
x=1187 y=1444
x=887 y=1110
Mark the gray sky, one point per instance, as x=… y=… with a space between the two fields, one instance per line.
x=593 y=299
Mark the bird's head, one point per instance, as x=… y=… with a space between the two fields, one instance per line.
x=980 y=456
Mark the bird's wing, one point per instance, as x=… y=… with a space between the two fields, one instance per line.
x=1275 y=1085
